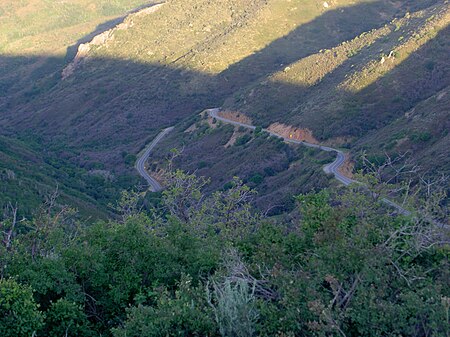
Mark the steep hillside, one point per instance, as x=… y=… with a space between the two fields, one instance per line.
x=35 y=39
x=28 y=177
x=182 y=58
x=341 y=69
x=422 y=131
x=37 y=35
x=222 y=152
x=250 y=236
x=377 y=80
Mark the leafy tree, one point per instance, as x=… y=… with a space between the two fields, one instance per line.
x=316 y=211
x=341 y=264
x=19 y=314
x=65 y=318
x=231 y=211
x=128 y=204
x=184 y=196
x=183 y=313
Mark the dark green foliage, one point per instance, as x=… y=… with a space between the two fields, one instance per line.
x=420 y=137
x=258 y=130
x=210 y=266
x=130 y=159
x=65 y=318
x=244 y=139
x=26 y=176
x=256 y=179
x=19 y=315
x=184 y=313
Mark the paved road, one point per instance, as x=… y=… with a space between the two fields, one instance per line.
x=330 y=168
x=140 y=163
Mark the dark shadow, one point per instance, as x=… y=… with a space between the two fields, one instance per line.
x=163 y=95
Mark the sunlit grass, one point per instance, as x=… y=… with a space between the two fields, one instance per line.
x=387 y=60
x=218 y=36
x=30 y=27
x=312 y=69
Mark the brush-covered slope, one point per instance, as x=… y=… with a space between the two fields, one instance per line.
x=28 y=177
x=162 y=66
x=36 y=37
x=343 y=69
x=384 y=85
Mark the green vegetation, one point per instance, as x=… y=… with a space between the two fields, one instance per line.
x=382 y=78
x=26 y=177
x=202 y=258
x=420 y=136
x=19 y=311
x=242 y=140
x=52 y=25
x=213 y=266
x=275 y=169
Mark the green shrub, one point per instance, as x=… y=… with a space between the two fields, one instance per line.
x=19 y=315
x=422 y=136
x=130 y=159
x=65 y=318
x=202 y=164
x=256 y=179
x=183 y=314
x=242 y=140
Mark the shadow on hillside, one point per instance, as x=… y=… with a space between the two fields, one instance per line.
x=110 y=106
x=420 y=76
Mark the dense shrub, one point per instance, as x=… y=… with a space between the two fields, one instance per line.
x=210 y=266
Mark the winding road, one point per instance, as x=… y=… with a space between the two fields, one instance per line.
x=154 y=185
x=332 y=168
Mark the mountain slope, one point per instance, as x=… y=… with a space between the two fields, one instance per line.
x=322 y=66
x=28 y=177
x=376 y=80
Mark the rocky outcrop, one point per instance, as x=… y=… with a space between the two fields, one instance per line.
x=103 y=39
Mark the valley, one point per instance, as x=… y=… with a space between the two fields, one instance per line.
x=313 y=202
x=139 y=70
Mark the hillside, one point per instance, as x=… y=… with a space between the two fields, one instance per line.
x=36 y=37
x=329 y=67
x=28 y=177
x=267 y=102
x=382 y=78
